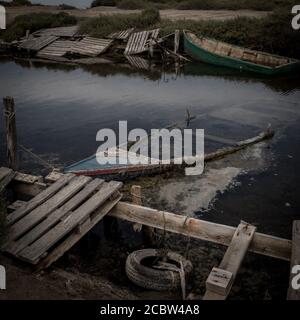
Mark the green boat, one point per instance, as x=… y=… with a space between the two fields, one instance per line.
x=224 y=54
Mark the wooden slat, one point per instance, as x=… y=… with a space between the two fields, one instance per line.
x=137 y=41
x=262 y=243
x=121 y=35
x=35 y=251
x=76 y=236
x=294 y=294
x=59 y=31
x=36 y=44
x=39 y=213
x=39 y=199
x=232 y=259
x=89 y=46
x=54 y=217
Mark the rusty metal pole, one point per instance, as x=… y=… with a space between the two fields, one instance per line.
x=11 y=132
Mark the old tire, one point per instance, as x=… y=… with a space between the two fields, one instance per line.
x=151 y=278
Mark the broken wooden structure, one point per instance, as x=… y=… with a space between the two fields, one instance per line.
x=65 y=207
x=41 y=230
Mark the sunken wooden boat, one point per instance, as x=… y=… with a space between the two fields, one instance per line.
x=228 y=55
x=91 y=166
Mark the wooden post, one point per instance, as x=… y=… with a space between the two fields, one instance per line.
x=293 y=293
x=11 y=132
x=148 y=232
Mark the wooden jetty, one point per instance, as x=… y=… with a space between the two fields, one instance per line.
x=64 y=207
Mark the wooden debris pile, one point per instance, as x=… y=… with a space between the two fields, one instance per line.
x=66 y=44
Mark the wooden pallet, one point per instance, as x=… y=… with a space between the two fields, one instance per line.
x=140 y=41
x=44 y=228
x=37 y=44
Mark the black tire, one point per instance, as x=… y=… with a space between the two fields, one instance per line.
x=151 y=278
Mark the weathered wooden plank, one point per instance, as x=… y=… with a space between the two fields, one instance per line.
x=231 y=261
x=69 y=31
x=121 y=35
x=262 y=244
x=89 y=46
x=11 y=133
x=4 y=172
x=4 y=182
x=36 y=44
x=176 y=40
x=35 y=251
x=76 y=236
x=27 y=178
x=219 y=281
x=39 y=199
x=54 y=217
x=59 y=48
x=294 y=294
x=16 y=205
x=38 y=214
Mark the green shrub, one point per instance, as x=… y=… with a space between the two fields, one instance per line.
x=98 y=3
x=104 y=25
x=131 y=4
x=36 y=21
x=64 y=6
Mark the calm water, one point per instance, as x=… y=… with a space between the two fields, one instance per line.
x=61 y=108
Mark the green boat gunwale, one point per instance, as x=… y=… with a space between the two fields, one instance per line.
x=292 y=61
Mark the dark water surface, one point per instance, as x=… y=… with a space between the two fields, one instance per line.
x=61 y=108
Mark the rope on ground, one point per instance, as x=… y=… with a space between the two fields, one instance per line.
x=44 y=162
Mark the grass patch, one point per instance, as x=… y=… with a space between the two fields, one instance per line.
x=104 y=25
x=271 y=34
x=259 y=5
x=36 y=21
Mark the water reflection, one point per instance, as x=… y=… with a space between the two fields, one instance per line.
x=60 y=107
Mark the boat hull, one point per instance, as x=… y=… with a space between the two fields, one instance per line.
x=203 y=55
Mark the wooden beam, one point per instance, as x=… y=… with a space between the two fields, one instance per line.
x=294 y=294
x=11 y=132
x=231 y=263
x=262 y=244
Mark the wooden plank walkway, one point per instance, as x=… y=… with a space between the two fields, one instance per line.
x=56 y=218
x=294 y=294
x=140 y=41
